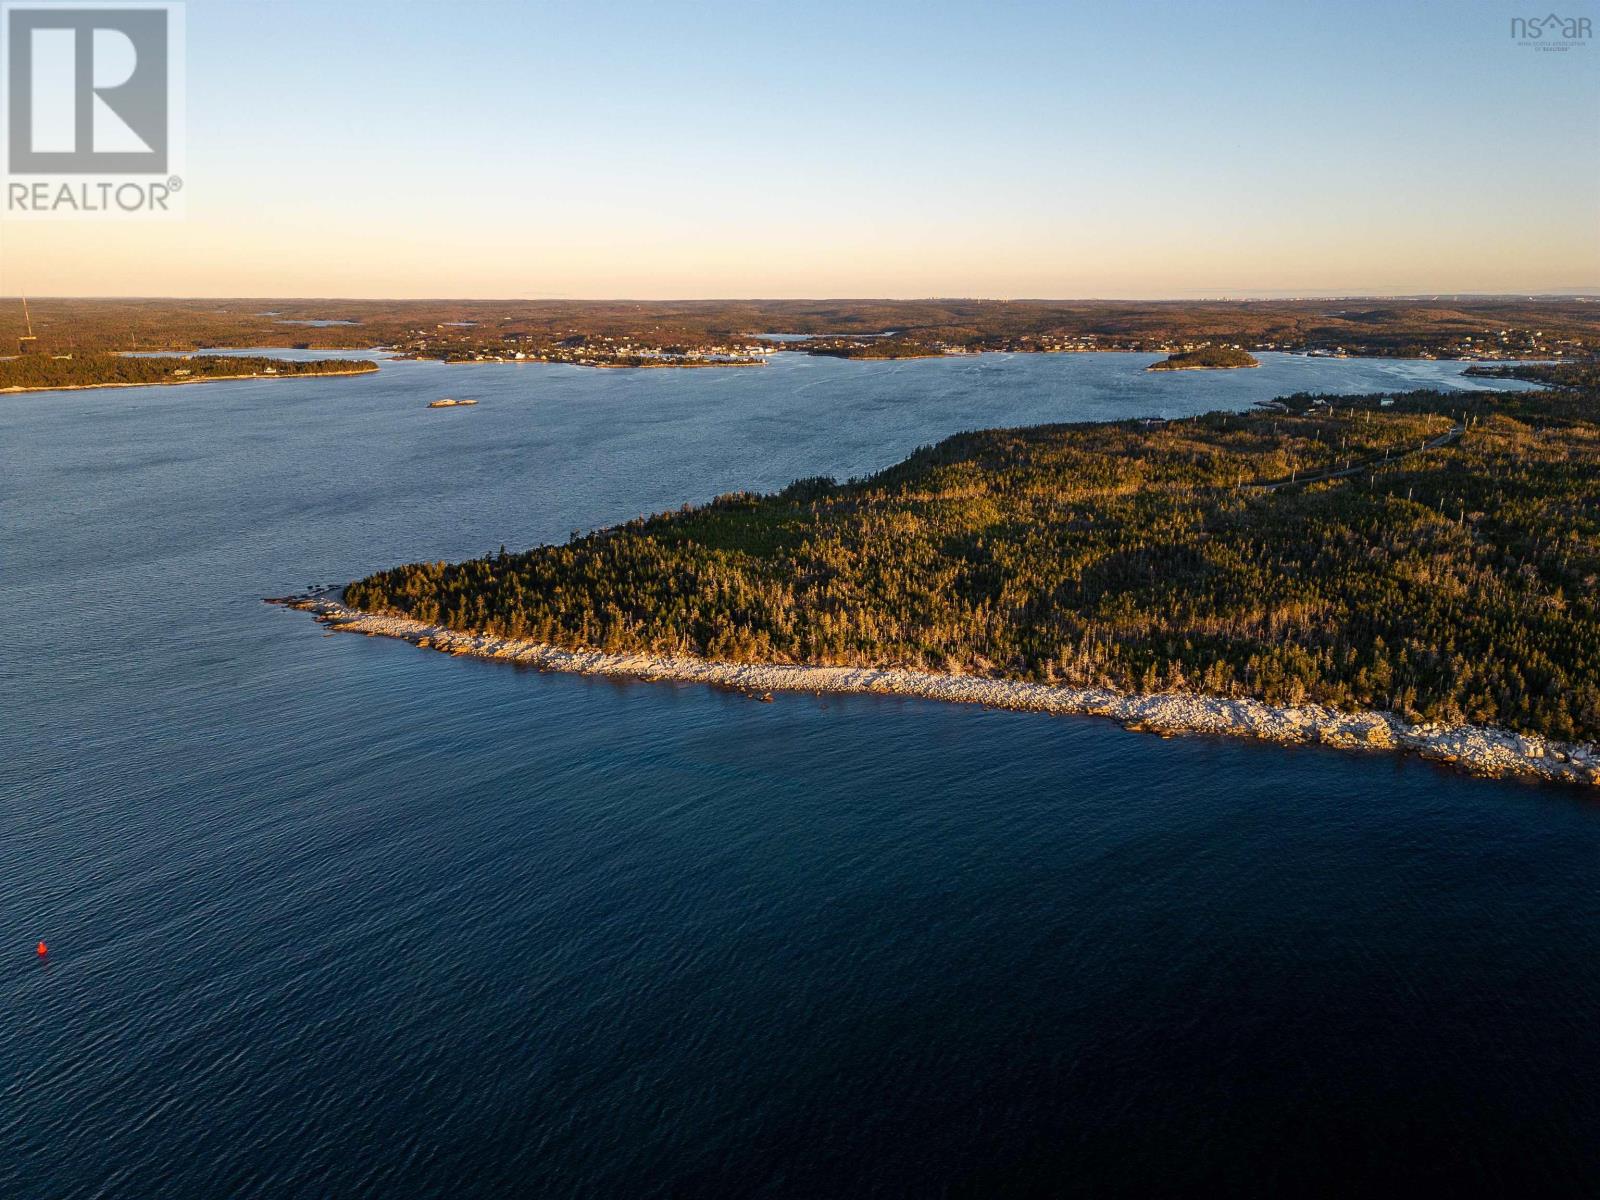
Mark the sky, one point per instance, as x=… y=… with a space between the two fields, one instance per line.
x=662 y=149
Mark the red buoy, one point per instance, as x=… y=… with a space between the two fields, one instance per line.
x=43 y=949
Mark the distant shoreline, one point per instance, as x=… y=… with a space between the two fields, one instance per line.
x=1479 y=750
x=90 y=387
x=598 y=366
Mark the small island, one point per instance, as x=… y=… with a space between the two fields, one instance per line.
x=450 y=402
x=1399 y=572
x=37 y=373
x=871 y=348
x=1207 y=358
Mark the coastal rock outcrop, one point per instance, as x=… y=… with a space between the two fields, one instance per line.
x=1478 y=749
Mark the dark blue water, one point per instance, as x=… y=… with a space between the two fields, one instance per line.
x=331 y=916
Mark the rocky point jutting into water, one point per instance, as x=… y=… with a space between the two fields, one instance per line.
x=1479 y=750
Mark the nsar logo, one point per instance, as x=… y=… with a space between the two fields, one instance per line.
x=1551 y=31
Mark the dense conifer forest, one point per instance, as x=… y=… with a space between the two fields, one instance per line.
x=1454 y=583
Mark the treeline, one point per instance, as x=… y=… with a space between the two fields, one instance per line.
x=97 y=370
x=1458 y=584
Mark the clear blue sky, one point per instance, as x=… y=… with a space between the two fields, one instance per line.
x=708 y=149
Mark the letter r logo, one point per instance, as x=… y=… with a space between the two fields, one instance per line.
x=86 y=89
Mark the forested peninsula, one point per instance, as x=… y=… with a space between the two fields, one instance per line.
x=32 y=372
x=1446 y=573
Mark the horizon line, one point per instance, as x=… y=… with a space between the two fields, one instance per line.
x=1577 y=293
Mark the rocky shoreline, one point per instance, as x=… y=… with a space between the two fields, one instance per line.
x=1477 y=749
